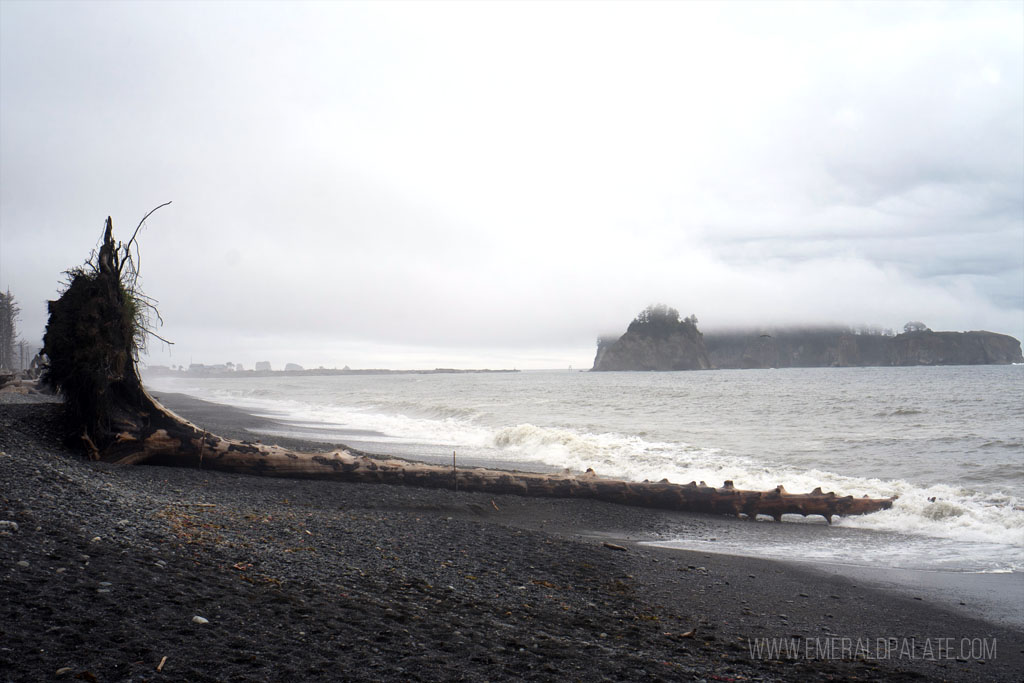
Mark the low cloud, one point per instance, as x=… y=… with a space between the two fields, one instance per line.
x=389 y=182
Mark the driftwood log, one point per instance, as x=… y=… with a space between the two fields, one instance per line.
x=92 y=341
x=169 y=440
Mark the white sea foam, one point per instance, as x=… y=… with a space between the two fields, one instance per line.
x=955 y=513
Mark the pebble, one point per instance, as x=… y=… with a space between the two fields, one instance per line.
x=7 y=525
x=473 y=599
x=23 y=564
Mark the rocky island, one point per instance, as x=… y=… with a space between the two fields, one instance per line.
x=658 y=340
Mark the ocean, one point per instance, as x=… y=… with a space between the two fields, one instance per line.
x=949 y=441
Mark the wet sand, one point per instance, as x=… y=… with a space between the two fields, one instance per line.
x=107 y=567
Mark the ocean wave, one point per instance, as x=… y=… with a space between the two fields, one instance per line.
x=947 y=512
x=945 y=515
x=941 y=512
x=899 y=412
x=999 y=443
x=610 y=454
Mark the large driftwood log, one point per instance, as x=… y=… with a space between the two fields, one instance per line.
x=164 y=438
x=90 y=342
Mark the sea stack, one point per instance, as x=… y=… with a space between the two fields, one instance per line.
x=656 y=340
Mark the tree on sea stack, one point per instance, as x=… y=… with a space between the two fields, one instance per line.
x=100 y=322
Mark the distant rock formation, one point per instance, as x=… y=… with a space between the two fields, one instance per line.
x=805 y=347
x=955 y=348
x=292 y=367
x=841 y=347
x=658 y=340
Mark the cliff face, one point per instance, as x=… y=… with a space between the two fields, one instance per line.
x=842 y=348
x=797 y=348
x=662 y=342
x=680 y=351
x=955 y=348
x=655 y=340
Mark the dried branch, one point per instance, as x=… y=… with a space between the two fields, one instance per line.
x=151 y=332
x=128 y=246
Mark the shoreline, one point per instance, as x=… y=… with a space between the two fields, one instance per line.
x=208 y=371
x=237 y=423
x=327 y=580
x=997 y=597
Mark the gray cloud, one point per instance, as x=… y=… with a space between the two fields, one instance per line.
x=389 y=184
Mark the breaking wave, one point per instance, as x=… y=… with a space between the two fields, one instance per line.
x=971 y=516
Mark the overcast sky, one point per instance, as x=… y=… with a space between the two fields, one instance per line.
x=493 y=185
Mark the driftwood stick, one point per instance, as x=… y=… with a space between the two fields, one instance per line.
x=128 y=247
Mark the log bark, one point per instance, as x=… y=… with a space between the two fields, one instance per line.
x=130 y=427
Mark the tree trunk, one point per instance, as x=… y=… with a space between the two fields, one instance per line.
x=120 y=422
x=160 y=437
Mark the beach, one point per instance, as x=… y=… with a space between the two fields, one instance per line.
x=105 y=570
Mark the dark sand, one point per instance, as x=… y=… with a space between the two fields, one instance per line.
x=305 y=580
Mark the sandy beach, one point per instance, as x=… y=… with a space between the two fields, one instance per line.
x=147 y=573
